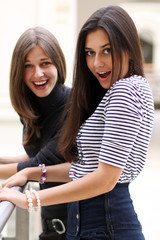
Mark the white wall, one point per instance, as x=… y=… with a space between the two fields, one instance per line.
x=146 y=17
x=63 y=18
x=16 y=16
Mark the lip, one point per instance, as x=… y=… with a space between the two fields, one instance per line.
x=40 y=85
x=103 y=76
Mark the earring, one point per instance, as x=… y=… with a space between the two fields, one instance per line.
x=131 y=67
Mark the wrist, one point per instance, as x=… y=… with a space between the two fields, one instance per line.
x=29 y=200
x=43 y=173
x=32 y=200
x=27 y=172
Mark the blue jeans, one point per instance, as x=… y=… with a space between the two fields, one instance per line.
x=110 y=216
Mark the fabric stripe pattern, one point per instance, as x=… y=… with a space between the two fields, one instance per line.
x=118 y=132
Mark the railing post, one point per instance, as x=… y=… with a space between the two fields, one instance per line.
x=22 y=224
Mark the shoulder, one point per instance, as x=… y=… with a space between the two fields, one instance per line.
x=66 y=90
x=131 y=93
x=133 y=82
x=135 y=86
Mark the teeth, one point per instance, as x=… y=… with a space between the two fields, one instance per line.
x=101 y=72
x=40 y=83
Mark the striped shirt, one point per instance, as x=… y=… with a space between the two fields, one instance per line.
x=118 y=132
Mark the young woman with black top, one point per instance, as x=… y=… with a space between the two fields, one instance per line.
x=38 y=95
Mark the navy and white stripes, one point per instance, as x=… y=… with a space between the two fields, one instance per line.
x=119 y=131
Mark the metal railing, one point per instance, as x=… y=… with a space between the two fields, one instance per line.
x=22 y=219
x=6 y=209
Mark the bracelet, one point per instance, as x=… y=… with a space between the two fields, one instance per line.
x=29 y=200
x=43 y=176
x=38 y=200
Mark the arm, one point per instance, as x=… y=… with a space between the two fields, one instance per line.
x=56 y=173
x=88 y=186
x=47 y=155
x=7 y=170
x=13 y=159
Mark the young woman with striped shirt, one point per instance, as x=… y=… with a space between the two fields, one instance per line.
x=105 y=138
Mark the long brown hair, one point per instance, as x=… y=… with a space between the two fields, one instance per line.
x=21 y=97
x=87 y=92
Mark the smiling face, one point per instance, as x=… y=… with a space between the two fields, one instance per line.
x=99 y=57
x=40 y=74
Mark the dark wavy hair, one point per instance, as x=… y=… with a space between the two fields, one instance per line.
x=20 y=94
x=87 y=92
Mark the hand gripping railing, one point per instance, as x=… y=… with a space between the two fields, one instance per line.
x=22 y=227
x=6 y=209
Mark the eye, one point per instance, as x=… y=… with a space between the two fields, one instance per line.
x=45 y=64
x=107 y=50
x=89 y=53
x=27 y=66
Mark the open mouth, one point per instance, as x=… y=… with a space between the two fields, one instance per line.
x=40 y=83
x=104 y=74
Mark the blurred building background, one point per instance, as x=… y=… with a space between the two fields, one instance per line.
x=64 y=18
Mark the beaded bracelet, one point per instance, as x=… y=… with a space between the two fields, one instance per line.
x=43 y=176
x=38 y=200
x=29 y=200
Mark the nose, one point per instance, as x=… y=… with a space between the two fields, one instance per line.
x=38 y=72
x=99 y=61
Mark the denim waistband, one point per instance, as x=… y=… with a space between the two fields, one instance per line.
x=109 y=213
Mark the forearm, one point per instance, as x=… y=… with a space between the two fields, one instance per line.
x=84 y=188
x=67 y=192
x=55 y=173
x=98 y=182
x=13 y=159
x=7 y=170
x=91 y=185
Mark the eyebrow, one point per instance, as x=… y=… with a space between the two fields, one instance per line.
x=103 y=46
x=42 y=59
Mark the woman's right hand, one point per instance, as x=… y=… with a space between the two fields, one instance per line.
x=14 y=196
x=18 y=179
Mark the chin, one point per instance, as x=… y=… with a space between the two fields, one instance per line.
x=105 y=86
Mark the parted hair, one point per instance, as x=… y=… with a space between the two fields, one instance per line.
x=21 y=97
x=87 y=92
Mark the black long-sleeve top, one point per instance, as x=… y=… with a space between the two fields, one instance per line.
x=44 y=150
